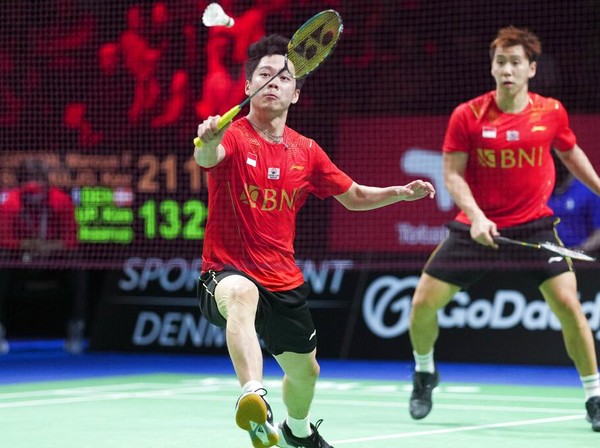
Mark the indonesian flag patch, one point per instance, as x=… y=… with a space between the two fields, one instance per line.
x=251 y=159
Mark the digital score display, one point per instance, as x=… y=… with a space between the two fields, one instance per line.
x=154 y=204
x=109 y=216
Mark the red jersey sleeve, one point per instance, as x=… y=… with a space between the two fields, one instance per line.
x=565 y=139
x=327 y=179
x=457 y=133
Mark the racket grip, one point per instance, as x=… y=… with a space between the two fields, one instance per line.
x=223 y=121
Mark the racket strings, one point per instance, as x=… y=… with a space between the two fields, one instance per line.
x=566 y=252
x=313 y=43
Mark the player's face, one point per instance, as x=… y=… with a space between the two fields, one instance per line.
x=512 y=70
x=280 y=92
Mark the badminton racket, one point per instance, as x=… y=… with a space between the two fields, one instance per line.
x=551 y=247
x=308 y=48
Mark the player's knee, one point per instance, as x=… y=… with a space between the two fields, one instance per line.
x=424 y=303
x=237 y=299
x=304 y=372
x=244 y=292
x=309 y=374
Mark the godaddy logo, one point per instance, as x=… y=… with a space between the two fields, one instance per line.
x=387 y=302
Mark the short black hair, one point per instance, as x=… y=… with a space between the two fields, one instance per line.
x=267 y=46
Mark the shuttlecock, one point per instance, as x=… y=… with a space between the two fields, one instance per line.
x=215 y=16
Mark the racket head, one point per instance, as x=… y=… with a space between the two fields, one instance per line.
x=314 y=42
x=566 y=252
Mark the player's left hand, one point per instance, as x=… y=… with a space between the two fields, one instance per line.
x=417 y=189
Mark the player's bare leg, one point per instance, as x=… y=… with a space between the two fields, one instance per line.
x=560 y=293
x=301 y=373
x=430 y=295
x=237 y=300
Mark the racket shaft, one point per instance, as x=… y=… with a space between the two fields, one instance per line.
x=503 y=239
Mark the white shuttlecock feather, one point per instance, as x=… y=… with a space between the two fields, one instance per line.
x=215 y=16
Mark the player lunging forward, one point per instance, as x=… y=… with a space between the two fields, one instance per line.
x=260 y=173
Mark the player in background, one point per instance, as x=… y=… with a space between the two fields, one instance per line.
x=37 y=221
x=579 y=212
x=260 y=173
x=498 y=168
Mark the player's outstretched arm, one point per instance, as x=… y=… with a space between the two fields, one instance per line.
x=362 y=197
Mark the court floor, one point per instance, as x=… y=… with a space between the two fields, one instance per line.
x=51 y=399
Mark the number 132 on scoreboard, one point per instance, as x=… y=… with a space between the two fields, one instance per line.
x=168 y=219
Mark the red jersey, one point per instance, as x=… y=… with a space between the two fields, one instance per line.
x=54 y=221
x=510 y=169
x=255 y=194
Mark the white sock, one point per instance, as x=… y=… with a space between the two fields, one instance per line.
x=591 y=385
x=300 y=428
x=424 y=363
x=251 y=386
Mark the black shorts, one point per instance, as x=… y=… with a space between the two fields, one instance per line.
x=462 y=261
x=283 y=319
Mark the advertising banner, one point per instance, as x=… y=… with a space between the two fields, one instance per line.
x=151 y=306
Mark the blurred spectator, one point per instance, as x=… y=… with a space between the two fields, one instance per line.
x=141 y=61
x=75 y=118
x=579 y=212
x=174 y=105
x=37 y=217
x=223 y=84
x=37 y=221
x=61 y=42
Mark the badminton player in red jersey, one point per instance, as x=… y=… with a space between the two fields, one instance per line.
x=260 y=173
x=498 y=167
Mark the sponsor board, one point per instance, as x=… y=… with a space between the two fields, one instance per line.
x=151 y=306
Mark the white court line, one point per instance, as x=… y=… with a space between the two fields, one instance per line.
x=183 y=393
x=215 y=384
x=89 y=394
x=460 y=429
x=471 y=396
x=397 y=405
x=82 y=390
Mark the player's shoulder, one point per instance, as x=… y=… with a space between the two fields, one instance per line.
x=475 y=107
x=239 y=136
x=298 y=141
x=541 y=103
x=239 y=126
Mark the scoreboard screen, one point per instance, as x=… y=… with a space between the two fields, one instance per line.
x=126 y=204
